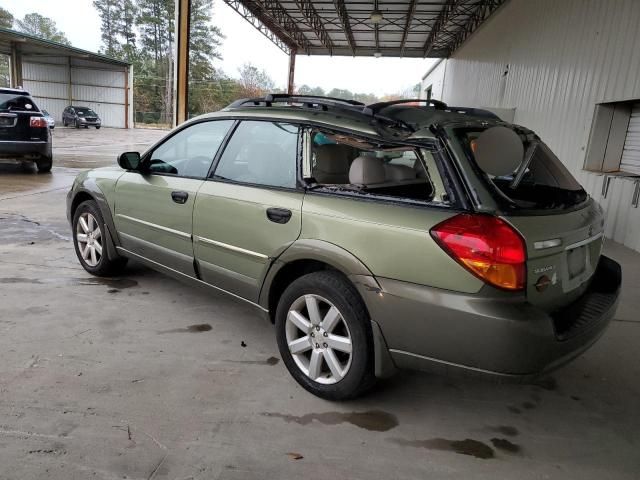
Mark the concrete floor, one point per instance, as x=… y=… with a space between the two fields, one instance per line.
x=117 y=378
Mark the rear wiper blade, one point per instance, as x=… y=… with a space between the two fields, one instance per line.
x=528 y=156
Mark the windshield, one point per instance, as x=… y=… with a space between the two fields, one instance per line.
x=17 y=102
x=85 y=112
x=541 y=181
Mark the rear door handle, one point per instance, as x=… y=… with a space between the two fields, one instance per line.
x=279 y=215
x=179 y=197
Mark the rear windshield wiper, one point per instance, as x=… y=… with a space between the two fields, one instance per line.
x=528 y=156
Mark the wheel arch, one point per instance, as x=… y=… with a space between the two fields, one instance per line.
x=303 y=257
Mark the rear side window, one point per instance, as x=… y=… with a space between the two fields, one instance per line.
x=17 y=103
x=261 y=153
x=351 y=166
x=544 y=183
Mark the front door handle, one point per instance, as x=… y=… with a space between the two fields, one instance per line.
x=279 y=215
x=179 y=197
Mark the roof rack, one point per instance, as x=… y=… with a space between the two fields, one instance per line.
x=437 y=104
x=352 y=107
x=309 y=100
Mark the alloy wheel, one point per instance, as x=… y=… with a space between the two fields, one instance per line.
x=319 y=339
x=89 y=238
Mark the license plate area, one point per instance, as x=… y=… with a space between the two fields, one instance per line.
x=576 y=261
x=8 y=120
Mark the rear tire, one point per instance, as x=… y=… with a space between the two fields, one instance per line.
x=44 y=165
x=329 y=353
x=89 y=240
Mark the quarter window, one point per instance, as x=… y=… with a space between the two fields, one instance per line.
x=262 y=153
x=189 y=153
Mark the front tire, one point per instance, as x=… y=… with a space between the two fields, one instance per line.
x=98 y=127
x=77 y=124
x=324 y=336
x=89 y=242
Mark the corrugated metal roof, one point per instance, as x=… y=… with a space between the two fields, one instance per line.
x=407 y=28
x=32 y=45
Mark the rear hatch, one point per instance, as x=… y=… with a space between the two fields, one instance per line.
x=561 y=226
x=16 y=111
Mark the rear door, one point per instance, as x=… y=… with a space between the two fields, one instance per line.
x=154 y=211
x=563 y=250
x=250 y=210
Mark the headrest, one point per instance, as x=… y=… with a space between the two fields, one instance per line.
x=398 y=173
x=332 y=158
x=366 y=171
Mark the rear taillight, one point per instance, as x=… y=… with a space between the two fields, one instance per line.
x=487 y=246
x=38 y=122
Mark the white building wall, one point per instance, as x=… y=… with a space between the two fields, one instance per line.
x=553 y=61
x=435 y=78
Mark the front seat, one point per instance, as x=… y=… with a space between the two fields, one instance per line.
x=332 y=164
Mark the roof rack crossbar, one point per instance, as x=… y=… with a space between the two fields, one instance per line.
x=437 y=104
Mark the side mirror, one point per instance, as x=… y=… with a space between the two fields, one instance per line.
x=129 y=160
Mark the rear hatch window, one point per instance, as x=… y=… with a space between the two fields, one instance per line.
x=15 y=102
x=539 y=182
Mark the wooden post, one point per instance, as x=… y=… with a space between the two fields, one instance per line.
x=292 y=72
x=181 y=75
x=16 y=66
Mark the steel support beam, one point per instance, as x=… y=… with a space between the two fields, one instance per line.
x=315 y=22
x=16 y=66
x=484 y=11
x=407 y=25
x=292 y=72
x=181 y=73
x=346 y=24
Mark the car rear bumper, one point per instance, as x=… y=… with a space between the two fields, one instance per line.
x=21 y=149
x=497 y=334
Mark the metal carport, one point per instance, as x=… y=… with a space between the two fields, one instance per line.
x=59 y=75
x=380 y=28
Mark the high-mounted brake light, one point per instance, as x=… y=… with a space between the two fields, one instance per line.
x=38 y=122
x=487 y=246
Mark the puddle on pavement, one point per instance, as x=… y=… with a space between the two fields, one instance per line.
x=505 y=445
x=203 y=327
x=467 y=446
x=269 y=361
x=373 y=420
x=113 y=283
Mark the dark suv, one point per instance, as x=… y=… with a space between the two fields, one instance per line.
x=80 y=117
x=24 y=132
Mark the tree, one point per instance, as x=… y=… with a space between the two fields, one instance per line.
x=254 y=82
x=125 y=27
x=43 y=27
x=204 y=41
x=108 y=11
x=340 y=93
x=6 y=19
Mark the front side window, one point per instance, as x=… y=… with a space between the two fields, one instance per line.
x=261 y=153
x=189 y=152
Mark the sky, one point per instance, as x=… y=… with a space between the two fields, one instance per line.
x=243 y=43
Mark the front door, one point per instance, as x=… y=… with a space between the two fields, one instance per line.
x=250 y=210
x=154 y=209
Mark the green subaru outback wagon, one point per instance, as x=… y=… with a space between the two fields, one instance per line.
x=404 y=234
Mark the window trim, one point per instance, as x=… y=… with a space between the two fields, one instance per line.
x=299 y=146
x=149 y=153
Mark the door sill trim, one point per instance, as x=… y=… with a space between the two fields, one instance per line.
x=131 y=254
